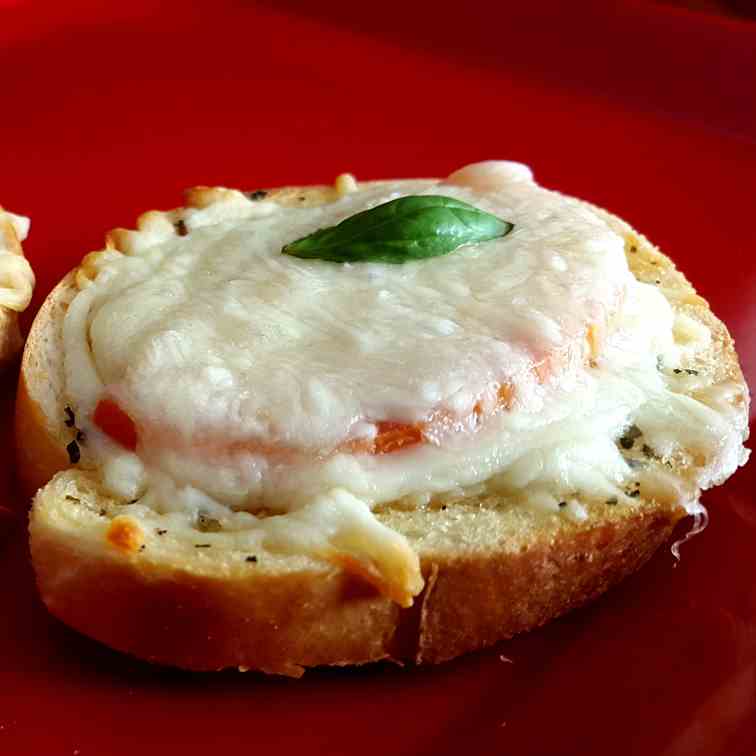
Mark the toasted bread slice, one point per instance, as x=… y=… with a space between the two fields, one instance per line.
x=493 y=568
x=16 y=282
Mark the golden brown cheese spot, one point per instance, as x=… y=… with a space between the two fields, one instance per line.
x=125 y=535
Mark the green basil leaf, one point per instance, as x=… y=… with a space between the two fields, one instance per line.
x=408 y=228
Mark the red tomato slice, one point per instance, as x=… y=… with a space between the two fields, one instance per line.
x=394 y=436
x=114 y=422
x=391 y=436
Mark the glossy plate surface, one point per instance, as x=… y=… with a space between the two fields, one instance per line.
x=109 y=111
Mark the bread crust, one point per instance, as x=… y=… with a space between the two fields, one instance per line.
x=203 y=616
x=514 y=570
x=40 y=432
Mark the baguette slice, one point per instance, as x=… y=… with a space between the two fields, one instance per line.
x=492 y=568
x=16 y=282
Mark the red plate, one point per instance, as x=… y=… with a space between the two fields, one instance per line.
x=110 y=111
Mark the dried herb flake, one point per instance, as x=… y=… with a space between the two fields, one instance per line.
x=207 y=524
x=74 y=453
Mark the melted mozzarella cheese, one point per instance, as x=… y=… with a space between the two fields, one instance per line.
x=245 y=369
x=306 y=354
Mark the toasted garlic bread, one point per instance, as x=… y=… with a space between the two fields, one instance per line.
x=495 y=557
x=16 y=282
